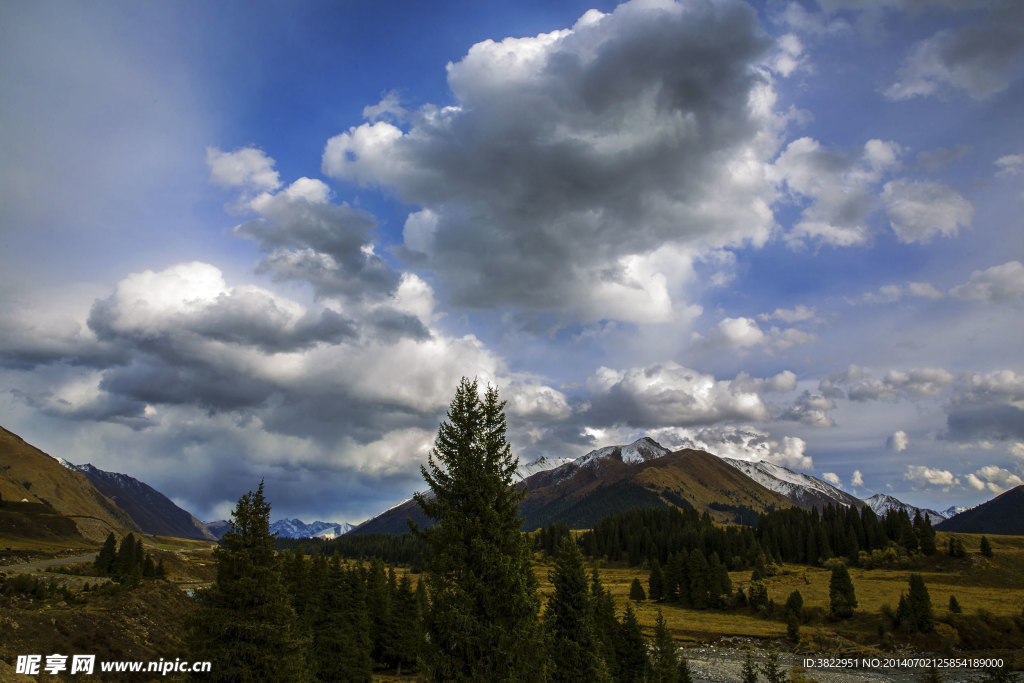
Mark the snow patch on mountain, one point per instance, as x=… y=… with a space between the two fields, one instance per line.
x=798 y=487
x=882 y=503
x=296 y=528
x=541 y=464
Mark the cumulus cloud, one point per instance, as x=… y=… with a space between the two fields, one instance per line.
x=745 y=333
x=975 y=58
x=888 y=294
x=835 y=187
x=832 y=478
x=993 y=478
x=568 y=158
x=920 y=210
x=308 y=238
x=740 y=443
x=247 y=167
x=896 y=384
x=998 y=284
x=795 y=315
x=898 y=441
x=1010 y=165
x=858 y=479
x=810 y=409
x=668 y=394
x=921 y=475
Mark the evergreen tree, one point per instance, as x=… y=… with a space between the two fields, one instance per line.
x=606 y=626
x=954 y=605
x=664 y=659
x=483 y=618
x=656 y=583
x=926 y=534
x=569 y=621
x=919 y=605
x=244 y=621
x=405 y=624
x=104 y=561
x=631 y=652
x=636 y=591
x=793 y=615
x=956 y=547
x=986 y=547
x=842 y=600
x=126 y=559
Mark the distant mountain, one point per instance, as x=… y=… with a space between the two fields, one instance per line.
x=804 y=490
x=27 y=473
x=294 y=528
x=151 y=510
x=882 y=503
x=954 y=510
x=290 y=528
x=617 y=478
x=218 y=528
x=1004 y=514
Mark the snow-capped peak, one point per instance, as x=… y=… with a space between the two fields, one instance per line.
x=882 y=503
x=296 y=528
x=798 y=487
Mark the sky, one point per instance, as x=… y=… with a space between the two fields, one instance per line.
x=265 y=240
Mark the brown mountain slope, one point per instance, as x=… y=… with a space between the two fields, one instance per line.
x=685 y=478
x=28 y=473
x=582 y=492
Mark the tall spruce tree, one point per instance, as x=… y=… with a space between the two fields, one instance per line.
x=631 y=649
x=104 y=561
x=483 y=619
x=841 y=597
x=569 y=620
x=244 y=623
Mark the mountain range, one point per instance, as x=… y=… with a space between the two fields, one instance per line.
x=291 y=528
x=644 y=473
x=575 y=491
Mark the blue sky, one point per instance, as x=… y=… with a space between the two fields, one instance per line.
x=245 y=240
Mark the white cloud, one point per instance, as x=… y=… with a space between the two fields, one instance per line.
x=927 y=476
x=1017 y=449
x=832 y=478
x=997 y=284
x=858 y=479
x=799 y=314
x=888 y=294
x=568 y=159
x=836 y=187
x=898 y=441
x=248 y=168
x=920 y=210
x=810 y=409
x=1010 y=165
x=741 y=443
x=668 y=394
x=993 y=478
x=895 y=384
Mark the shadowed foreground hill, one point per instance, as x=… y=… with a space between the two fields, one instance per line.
x=1004 y=514
x=30 y=474
x=583 y=491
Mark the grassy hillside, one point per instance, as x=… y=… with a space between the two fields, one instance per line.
x=27 y=473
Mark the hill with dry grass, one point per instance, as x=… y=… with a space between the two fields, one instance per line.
x=29 y=474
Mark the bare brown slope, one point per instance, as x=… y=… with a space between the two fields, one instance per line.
x=28 y=473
